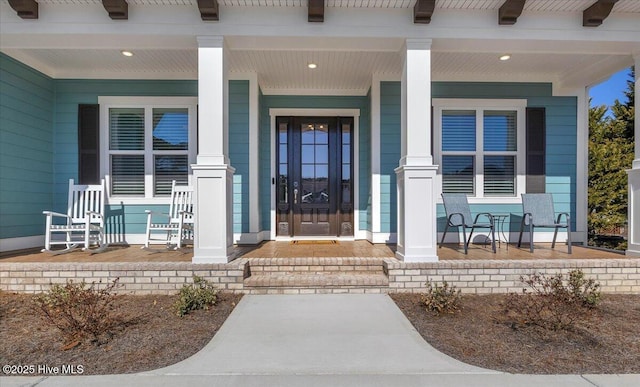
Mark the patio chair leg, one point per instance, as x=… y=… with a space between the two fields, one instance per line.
x=569 y=234
x=446 y=228
x=521 y=232
x=531 y=237
x=470 y=236
x=555 y=235
x=464 y=239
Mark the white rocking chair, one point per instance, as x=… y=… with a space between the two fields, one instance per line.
x=84 y=221
x=178 y=226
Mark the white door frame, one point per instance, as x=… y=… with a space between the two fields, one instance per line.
x=355 y=113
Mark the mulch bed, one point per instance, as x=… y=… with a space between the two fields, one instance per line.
x=606 y=341
x=153 y=336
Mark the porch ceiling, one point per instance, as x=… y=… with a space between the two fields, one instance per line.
x=343 y=69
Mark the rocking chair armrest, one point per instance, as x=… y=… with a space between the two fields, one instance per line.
x=93 y=213
x=150 y=213
x=52 y=213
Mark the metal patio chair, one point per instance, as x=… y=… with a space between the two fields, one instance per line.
x=82 y=225
x=539 y=212
x=177 y=225
x=458 y=213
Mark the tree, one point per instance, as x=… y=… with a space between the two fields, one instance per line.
x=610 y=155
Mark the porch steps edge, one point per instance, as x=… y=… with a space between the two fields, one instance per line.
x=321 y=281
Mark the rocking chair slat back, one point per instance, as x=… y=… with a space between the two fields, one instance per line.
x=181 y=201
x=83 y=198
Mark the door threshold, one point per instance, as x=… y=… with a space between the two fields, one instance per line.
x=314 y=238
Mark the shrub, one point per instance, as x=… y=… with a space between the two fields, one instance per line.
x=199 y=295
x=441 y=299
x=585 y=291
x=553 y=302
x=80 y=311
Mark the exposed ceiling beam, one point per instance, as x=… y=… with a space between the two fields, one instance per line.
x=595 y=15
x=208 y=9
x=118 y=9
x=26 y=9
x=316 y=11
x=510 y=11
x=423 y=10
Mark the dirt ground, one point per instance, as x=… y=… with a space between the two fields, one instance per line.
x=154 y=336
x=607 y=341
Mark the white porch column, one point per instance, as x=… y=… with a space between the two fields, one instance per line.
x=633 y=247
x=212 y=174
x=417 y=233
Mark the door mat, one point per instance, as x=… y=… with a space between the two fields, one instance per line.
x=315 y=242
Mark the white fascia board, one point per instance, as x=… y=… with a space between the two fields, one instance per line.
x=324 y=92
x=148 y=21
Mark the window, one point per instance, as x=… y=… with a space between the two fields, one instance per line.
x=148 y=143
x=480 y=147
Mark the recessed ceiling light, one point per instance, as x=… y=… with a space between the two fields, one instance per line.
x=312 y=65
x=126 y=53
x=505 y=57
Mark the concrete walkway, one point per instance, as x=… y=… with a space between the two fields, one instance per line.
x=321 y=340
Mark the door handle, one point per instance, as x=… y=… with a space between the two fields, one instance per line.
x=295 y=196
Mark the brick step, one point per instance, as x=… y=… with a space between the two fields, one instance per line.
x=328 y=280
x=360 y=290
x=316 y=265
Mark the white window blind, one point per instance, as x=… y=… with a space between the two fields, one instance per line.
x=459 y=149
x=169 y=168
x=126 y=129
x=458 y=174
x=127 y=175
x=500 y=146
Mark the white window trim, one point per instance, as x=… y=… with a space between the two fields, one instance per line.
x=108 y=102
x=519 y=105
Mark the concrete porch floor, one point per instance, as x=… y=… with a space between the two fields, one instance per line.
x=277 y=249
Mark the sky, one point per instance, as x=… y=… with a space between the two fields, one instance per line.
x=611 y=89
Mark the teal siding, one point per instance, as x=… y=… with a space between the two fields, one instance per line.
x=70 y=93
x=239 y=152
x=390 y=138
x=26 y=143
x=130 y=219
x=317 y=102
x=490 y=90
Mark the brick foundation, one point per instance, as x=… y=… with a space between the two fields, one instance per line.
x=134 y=277
x=330 y=275
x=614 y=275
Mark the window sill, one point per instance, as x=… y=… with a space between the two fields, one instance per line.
x=491 y=200
x=129 y=200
